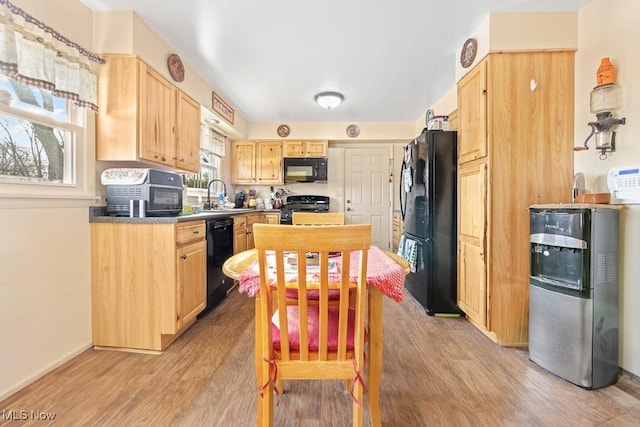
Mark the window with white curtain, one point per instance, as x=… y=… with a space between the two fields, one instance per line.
x=39 y=136
x=212 y=151
x=47 y=82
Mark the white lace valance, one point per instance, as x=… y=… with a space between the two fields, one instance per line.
x=35 y=54
x=212 y=141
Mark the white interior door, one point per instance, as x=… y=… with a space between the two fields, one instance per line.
x=367 y=191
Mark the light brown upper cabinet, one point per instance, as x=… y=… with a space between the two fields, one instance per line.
x=305 y=148
x=256 y=162
x=472 y=125
x=143 y=117
x=515 y=130
x=188 y=133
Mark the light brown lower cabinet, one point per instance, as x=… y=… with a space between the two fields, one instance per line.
x=239 y=234
x=254 y=218
x=243 y=228
x=272 y=217
x=148 y=283
x=472 y=281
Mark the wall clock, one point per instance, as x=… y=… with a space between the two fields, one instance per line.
x=283 y=131
x=176 y=69
x=468 y=53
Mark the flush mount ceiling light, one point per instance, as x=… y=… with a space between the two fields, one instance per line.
x=329 y=100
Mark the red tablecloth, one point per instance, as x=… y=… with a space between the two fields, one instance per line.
x=382 y=272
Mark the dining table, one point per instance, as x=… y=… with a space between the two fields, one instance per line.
x=382 y=267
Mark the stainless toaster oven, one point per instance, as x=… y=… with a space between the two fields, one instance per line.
x=160 y=192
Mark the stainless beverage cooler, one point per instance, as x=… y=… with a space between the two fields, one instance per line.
x=573 y=300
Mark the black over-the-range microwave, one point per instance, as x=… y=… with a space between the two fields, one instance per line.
x=305 y=169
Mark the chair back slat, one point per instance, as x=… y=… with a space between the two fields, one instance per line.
x=326 y=243
x=303 y=309
x=320 y=334
x=281 y=298
x=344 y=309
x=317 y=218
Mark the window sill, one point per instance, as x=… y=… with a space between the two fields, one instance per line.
x=13 y=201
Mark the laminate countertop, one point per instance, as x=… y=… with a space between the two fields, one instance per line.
x=98 y=214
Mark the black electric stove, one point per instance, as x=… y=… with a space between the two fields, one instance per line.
x=306 y=203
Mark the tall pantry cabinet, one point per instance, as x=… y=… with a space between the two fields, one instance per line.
x=515 y=113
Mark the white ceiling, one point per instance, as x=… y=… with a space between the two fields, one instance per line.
x=268 y=58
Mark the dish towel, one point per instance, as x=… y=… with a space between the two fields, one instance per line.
x=408 y=249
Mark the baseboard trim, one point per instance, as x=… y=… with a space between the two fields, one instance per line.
x=635 y=378
x=33 y=378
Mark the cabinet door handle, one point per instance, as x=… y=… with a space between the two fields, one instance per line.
x=183 y=256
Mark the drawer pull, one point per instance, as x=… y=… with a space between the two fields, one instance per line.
x=196 y=232
x=183 y=256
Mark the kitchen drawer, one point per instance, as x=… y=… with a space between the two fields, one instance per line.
x=253 y=219
x=189 y=231
x=240 y=220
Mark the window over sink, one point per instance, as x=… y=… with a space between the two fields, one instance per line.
x=212 y=151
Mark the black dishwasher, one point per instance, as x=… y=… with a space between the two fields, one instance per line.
x=219 y=249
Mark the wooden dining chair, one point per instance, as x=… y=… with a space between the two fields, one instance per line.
x=310 y=339
x=317 y=218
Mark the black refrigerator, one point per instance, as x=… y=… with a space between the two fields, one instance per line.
x=428 y=207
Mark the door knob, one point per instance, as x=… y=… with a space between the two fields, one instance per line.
x=348 y=201
x=348 y=209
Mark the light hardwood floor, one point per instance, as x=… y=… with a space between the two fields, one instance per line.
x=437 y=372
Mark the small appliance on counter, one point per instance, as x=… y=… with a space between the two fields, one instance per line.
x=239 y=199
x=251 y=201
x=154 y=192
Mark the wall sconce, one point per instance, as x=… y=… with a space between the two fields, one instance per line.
x=604 y=99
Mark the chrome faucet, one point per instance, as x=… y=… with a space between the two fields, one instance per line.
x=578 y=186
x=224 y=191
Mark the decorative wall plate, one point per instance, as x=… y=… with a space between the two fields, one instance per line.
x=283 y=131
x=176 y=69
x=468 y=53
x=353 y=131
x=428 y=116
